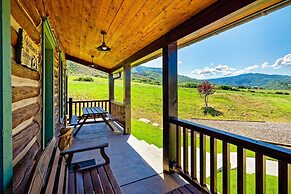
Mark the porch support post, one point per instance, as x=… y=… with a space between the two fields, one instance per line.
x=6 y=169
x=111 y=89
x=127 y=97
x=170 y=103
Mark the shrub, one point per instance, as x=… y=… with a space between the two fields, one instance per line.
x=188 y=85
x=84 y=79
x=282 y=93
x=224 y=87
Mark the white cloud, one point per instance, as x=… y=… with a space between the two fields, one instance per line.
x=265 y=65
x=180 y=62
x=219 y=69
x=281 y=62
x=245 y=70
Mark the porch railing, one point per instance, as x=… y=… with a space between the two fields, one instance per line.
x=186 y=163
x=117 y=111
x=75 y=107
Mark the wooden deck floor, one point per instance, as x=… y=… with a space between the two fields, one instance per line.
x=136 y=167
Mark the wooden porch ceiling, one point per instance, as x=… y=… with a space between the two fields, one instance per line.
x=135 y=25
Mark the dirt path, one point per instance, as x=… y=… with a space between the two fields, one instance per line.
x=265 y=131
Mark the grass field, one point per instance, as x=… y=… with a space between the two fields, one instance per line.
x=271 y=183
x=147 y=101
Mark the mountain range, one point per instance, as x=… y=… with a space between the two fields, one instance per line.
x=253 y=80
x=153 y=75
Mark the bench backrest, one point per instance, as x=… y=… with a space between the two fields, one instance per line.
x=50 y=171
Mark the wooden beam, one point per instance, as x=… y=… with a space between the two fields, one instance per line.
x=127 y=97
x=86 y=63
x=213 y=13
x=170 y=103
x=6 y=169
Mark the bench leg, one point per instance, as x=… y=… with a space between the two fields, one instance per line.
x=81 y=125
x=104 y=119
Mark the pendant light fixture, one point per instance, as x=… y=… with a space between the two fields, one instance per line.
x=103 y=46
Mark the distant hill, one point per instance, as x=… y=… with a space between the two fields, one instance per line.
x=142 y=72
x=256 y=80
x=153 y=75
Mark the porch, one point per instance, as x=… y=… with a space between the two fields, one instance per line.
x=33 y=106
x=135 y=163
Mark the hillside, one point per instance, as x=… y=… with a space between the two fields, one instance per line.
x=256 y=80
x=142 y=73
x=153 y=75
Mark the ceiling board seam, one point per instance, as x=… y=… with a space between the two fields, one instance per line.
x=115 y=15
x=117 y=43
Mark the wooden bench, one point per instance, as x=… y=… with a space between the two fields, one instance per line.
x=55 y=173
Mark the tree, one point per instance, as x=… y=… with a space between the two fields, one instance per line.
x=205 y=89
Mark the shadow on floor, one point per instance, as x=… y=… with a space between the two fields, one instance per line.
x=136 y=165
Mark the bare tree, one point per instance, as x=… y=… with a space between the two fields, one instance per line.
x=205 y=89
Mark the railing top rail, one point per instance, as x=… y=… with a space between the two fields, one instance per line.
x=77 y=101
x=117 y=103
x=267 y=149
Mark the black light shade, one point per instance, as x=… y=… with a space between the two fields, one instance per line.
x=103 y=46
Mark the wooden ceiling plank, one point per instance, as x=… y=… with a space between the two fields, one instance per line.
x=140 y=21
x=71 y=26
x=85 y=49
x=78 y=20
x=126 y=5
x=93 y=31
x=216 y=11
x=86 y=63
x=162 y=24
x=135 y=8
x=141 y=17
x=111 y=14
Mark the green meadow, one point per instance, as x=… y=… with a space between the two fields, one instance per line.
x=263 y=105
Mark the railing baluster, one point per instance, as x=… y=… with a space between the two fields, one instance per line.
x=178 y=146
x=202 y=160
x=185 y=150
x=193 y=155
x=241 y=170
x=284 y=177
x=79 y=109
x=260 y=173
x=105 y=105
x=226 y=167
x=75 y=107
x=213 y=165
x=70 y=108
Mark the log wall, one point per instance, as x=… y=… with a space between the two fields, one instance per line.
x=27 y=96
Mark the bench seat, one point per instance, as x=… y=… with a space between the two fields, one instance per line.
x=55 y=173
x=99 y=179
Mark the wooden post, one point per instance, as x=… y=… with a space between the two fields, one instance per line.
x=170 y=104
x=70 y=108
x=6 y=169
x=111 y=90
x=127 y=97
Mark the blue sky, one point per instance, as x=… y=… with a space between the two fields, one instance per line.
x=260 y=46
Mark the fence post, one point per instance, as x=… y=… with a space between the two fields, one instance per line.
x=70 y=108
